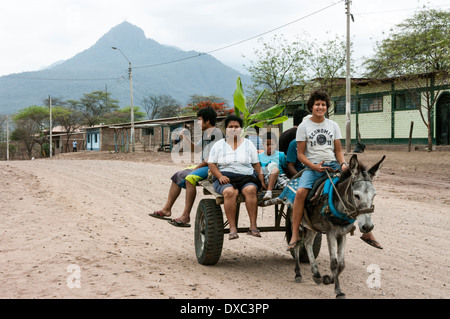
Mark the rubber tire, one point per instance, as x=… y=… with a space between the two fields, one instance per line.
x=208 y=233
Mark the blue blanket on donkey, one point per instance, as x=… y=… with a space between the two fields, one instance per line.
x=328 y=190
x=288 y=197
x=288 y=194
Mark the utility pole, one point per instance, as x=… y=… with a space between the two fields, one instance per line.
x=348 y=108
x=131 y=99
x=7 y=137
x=51 y=129
x=132 y=111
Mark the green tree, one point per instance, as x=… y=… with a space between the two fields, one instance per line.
x=124 y=115
x=94 y=106
x=417 y=53
x=327 y=64
x=39 y=114
x=160 y=106
x=278 y=69
x=67 y=117
x=30 y=124
x=284 y=69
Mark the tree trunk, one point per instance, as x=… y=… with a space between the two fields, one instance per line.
x=430 y=132
x=430 y=140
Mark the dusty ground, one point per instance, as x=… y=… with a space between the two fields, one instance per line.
x=89 y=211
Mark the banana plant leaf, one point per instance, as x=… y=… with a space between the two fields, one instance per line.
x=270 y=113
x=239 y=99
x=275 y=121
x=257 y=100
x=269 y=116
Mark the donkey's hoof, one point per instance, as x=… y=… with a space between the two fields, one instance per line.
x=340 y=295
x=317 y=280
x=327 y=280
x=298 y=279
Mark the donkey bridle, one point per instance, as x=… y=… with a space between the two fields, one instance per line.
x=353 y=212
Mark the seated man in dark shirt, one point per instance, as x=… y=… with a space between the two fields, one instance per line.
x=287 y=136
x=293 y=165
x=286 y=139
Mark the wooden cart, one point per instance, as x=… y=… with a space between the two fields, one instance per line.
x=210 y=226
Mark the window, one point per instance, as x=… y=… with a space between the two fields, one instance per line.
x=148 y=131
x=407 y=101
x=363 y=104
x=371 y=104
x=339 y=106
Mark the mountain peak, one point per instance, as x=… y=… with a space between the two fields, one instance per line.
x=123 y=33
x=127 y=28
x=101 y=66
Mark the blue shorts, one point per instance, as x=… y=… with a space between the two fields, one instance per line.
x=309 y=176
x=190 y=175
x=220 y=188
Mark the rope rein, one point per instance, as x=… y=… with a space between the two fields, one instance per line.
x=353 y=212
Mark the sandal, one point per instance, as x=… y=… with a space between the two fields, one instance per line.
x=371 y=242
x=254 y=233
x=160 y=215
x=178 y=223
x=232 y=236
x=293 y=245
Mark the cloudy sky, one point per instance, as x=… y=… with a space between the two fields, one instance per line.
x=35 y=34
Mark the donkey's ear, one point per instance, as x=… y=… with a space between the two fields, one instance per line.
x=374 y=170
x=354 y=165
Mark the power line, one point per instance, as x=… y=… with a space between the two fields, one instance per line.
x=239 y=42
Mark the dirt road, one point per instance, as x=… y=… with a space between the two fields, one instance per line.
x=85 y=216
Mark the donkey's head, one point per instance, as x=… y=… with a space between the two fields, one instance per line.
x=362 y=192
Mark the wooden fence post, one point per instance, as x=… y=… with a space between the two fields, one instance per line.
x=410 y=136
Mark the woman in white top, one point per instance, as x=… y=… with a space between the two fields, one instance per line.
x=233 y=162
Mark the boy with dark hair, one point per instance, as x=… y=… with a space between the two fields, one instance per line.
x=208 y=115
x=188 y=178
x=318 y=148
x=273 y=164
x=289 y=135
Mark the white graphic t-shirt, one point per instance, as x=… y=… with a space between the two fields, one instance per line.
x=319 y=139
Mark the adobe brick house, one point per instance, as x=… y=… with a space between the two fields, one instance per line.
x=150 y=135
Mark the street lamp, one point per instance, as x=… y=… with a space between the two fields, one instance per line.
x=131 y=100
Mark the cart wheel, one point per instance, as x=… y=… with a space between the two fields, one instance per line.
x=208 y=232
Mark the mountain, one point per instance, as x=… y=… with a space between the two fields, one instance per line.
x=156 y=69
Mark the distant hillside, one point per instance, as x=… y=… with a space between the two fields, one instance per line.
x=100 y=67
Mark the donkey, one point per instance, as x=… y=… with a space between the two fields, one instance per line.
x=350 y=199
